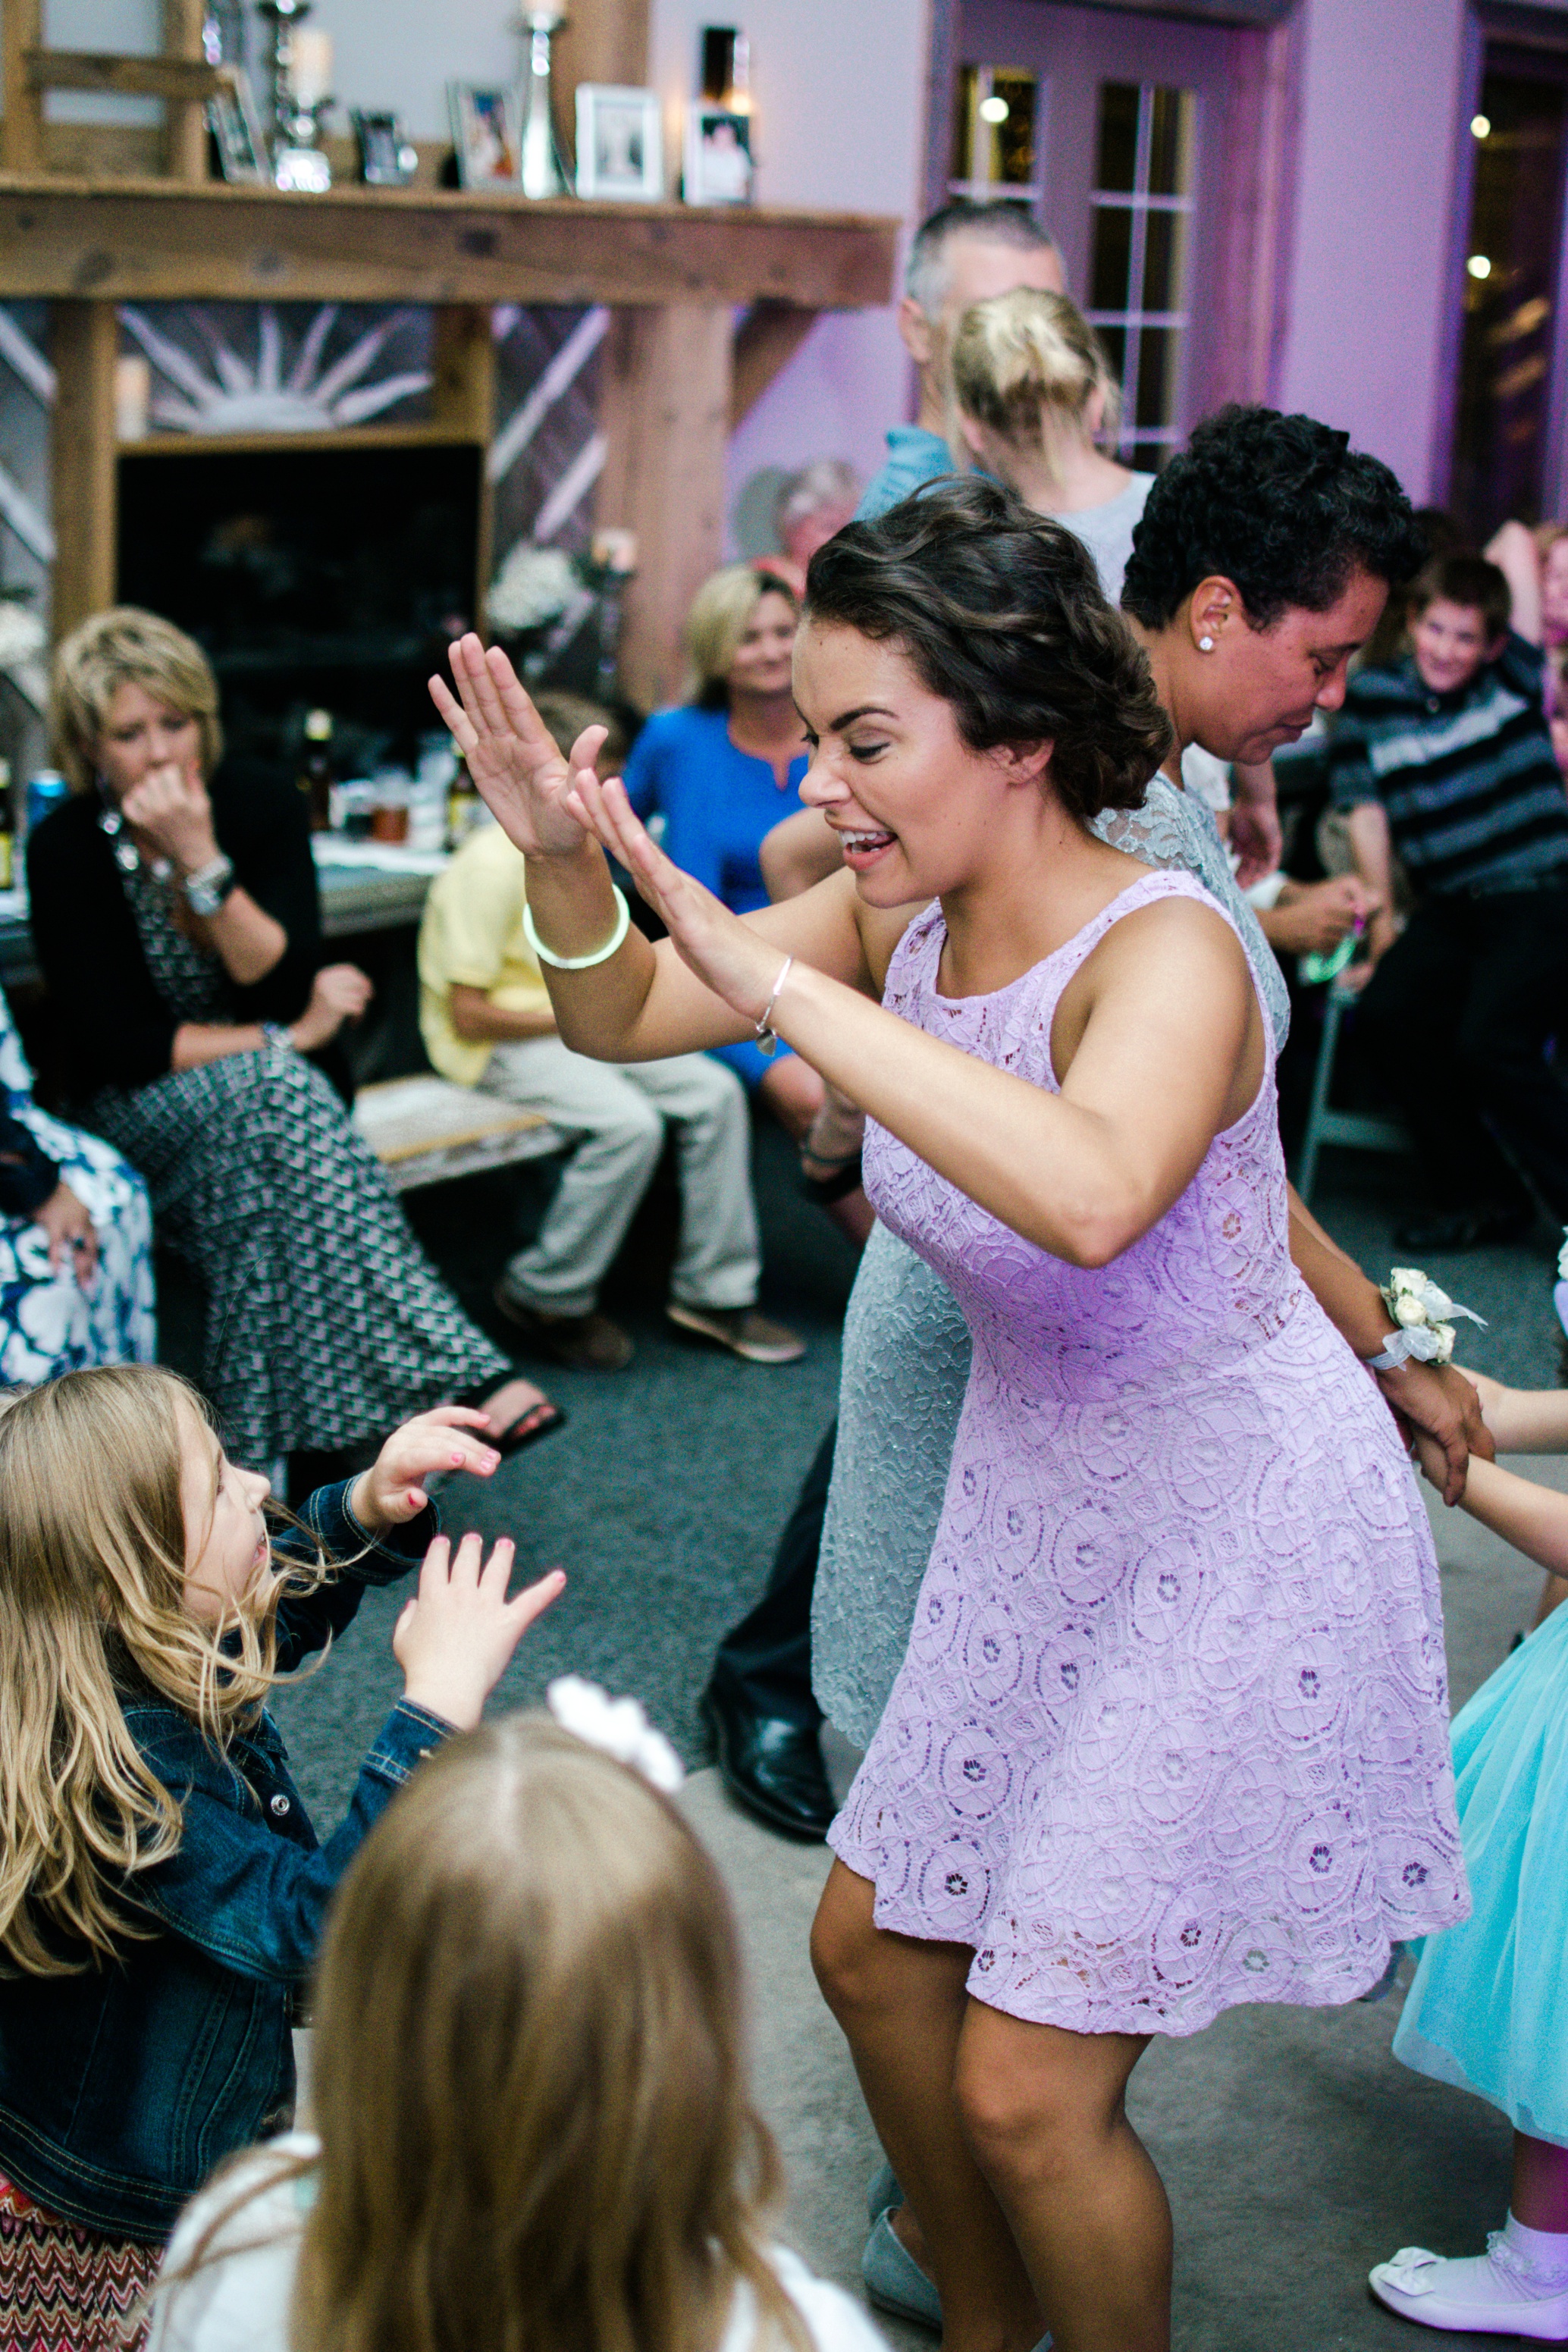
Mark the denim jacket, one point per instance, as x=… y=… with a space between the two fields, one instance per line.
x=122 y=2086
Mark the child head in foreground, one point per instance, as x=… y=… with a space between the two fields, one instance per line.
x=529 y=2088
x=1460 y=607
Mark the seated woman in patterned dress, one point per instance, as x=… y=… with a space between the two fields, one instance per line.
x=175 y=916
x=76 y=1240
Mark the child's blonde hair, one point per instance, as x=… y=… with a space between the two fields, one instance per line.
x=1024 y=359
x=93 y=1605
x=529 y=2079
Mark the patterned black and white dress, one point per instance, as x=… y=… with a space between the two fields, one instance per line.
x=326 y=1323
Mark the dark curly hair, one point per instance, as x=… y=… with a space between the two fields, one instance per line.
x=1000 y=612
x=1281 y=506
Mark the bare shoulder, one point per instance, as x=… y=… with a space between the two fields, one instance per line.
x=1189 y=933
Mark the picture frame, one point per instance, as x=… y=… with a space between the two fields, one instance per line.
x=486 y=134
x=387 y=158
x=719 y=165
x=620 y=144
x=236 y=133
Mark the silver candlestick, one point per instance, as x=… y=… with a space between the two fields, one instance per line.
x=544 y=168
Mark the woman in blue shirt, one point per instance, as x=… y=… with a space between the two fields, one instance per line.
x=723 y=768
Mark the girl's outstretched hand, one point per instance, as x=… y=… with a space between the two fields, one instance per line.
x=724 y=952
x=513 y=759
x=454 y=1638
x=392 y=1491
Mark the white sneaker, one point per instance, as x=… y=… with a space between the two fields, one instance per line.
x=1495 y=2294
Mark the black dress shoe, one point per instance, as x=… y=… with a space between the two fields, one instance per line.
x=772 y=1767
x=1466 y=1229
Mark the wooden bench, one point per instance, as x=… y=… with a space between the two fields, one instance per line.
x=425 y=1129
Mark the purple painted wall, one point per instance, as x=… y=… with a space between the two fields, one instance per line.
x=1367 y=280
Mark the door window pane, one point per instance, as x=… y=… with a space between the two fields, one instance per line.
x=1510 y=325
x=1116 y=166
x=993 y=132
x=1140 y=210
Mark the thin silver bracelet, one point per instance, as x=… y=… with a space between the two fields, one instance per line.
x=767 y=1038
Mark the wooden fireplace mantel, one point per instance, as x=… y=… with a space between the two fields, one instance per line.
x=675 y=372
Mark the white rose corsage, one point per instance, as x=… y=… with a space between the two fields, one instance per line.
x=616 y=1726
x=1425 y=1314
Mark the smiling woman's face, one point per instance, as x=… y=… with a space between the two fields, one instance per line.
x=911 y=803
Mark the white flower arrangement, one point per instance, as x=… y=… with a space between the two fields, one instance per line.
x=535 y=585
x=617 y=1726
x=1425 y=1313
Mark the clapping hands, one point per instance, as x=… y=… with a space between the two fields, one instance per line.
x=392 y=1492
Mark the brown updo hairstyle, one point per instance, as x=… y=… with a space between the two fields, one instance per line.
x=1000 y=611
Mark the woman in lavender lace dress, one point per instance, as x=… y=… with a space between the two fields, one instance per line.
x=1171 y=1734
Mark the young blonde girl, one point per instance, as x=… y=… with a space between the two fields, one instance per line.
x=1487 y=2009
x=162 y=1890
x=531 y=2126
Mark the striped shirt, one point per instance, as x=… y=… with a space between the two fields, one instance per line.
x=1473 y=792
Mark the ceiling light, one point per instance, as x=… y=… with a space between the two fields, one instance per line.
x=993 y=110
x=1479 y=266
x=1481 y=126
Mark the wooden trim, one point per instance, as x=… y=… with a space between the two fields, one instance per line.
x=22 y=127
x=183 y=79
x=765 y=342
x=165 y=240
x=462 y=405
x=602 y=41
x=665 y=411
x=347 y=437
x=85 y=342
x=185 y=122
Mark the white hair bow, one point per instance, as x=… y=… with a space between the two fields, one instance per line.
x=617 y=1725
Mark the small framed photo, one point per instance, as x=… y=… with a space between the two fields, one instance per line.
x=620 y=143
x=719 y=166
x=387 y=158
x=236 y=129
x=486 y=134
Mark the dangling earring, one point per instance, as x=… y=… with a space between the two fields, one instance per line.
x=1206 y=645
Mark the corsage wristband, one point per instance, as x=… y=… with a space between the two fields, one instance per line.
x=1424 y=1316
x=581 y=963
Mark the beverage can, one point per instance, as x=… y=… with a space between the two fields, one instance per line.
x=45 y=790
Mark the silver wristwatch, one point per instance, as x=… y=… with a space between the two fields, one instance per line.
x=209 y=885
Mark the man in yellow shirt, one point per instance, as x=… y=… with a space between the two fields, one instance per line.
x=485 y=1015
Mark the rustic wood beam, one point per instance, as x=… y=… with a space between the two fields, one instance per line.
x=84 y=340
x=463 y=401
x=185 y=79
x=22 y=127
x=185 y=120
x=765 y=342
x=664 y=412
x=604 y=41
x=150 y=240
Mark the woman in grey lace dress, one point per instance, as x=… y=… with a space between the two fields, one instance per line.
x=174 y=912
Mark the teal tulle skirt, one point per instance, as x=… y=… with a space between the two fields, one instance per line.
x=1489 y=2008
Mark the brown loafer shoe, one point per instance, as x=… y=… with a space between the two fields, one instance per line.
x=585 y=1343
x=741 y=1330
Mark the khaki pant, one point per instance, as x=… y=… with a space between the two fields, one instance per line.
x=617 y=1116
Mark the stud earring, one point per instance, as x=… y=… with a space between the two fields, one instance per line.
x=1206 y=645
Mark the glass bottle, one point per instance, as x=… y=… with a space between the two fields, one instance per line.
x=316 y=769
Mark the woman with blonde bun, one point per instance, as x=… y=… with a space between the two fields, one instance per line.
x=1032 y=388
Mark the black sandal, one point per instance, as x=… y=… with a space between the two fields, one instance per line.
x=518 y=1434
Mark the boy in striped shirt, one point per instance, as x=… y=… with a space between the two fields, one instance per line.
x=1447 y=760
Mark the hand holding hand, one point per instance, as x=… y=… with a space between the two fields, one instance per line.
x=513 y=759
x=392 y=1491
x=1435 y=1404
x=339 y=992
x=170 y=809
x=70 y=1231
x=454 y=1638
x=724 y=952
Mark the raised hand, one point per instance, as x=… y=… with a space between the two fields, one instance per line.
x=454 y=1638
x=516 y=764
x=392 y=1491
x=726 y=955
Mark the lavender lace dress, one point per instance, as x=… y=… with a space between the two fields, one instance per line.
x=1172 y=1732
